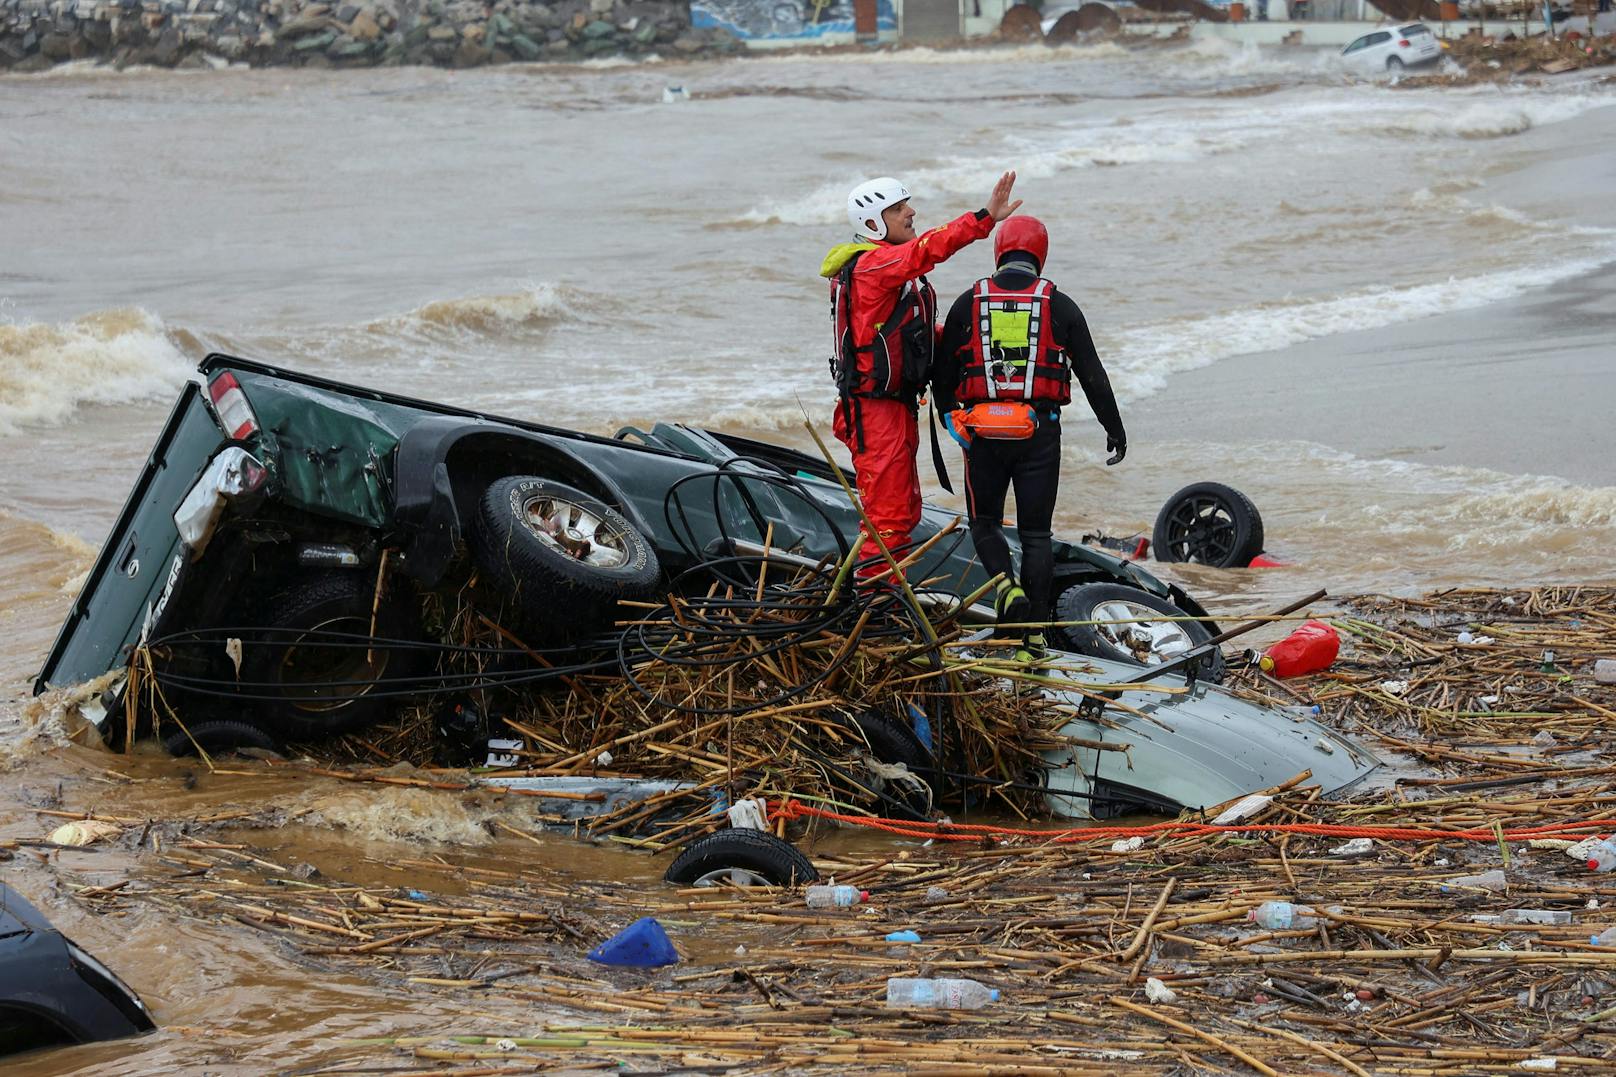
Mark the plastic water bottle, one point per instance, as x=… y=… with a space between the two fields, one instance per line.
x=1494 y=881
x=1602 y=857
x=1310 y=648
x=1606 y=937
x=1282 y=916
x=1534 y=916
x=835 y=897
x=941 y=994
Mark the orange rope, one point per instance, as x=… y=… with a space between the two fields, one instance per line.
x=793 y=809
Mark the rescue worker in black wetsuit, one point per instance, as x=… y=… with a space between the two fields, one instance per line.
x=1010 y=347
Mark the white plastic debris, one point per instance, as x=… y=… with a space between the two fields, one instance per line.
x=1473 y=639
x=674 y=94
x=1244 y=808
x=1394 y=688
x=1489 y=700
x=1355 y=847
x=740 y=951
x=502 y=752
x=1544 y=739
x=749 y=814
x=1583 y=849
x=505 y=1045
x=604 y=759
x=85 y=832
x=1129 y=845
x=232 y=651
x=1547 y=1062
x=1158 y=992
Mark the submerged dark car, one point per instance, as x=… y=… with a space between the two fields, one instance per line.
x=277 y=506
x=51 y=992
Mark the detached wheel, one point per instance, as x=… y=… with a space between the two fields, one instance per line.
x=319 y=666
x=218 y=737
x=1208 y=523
x=743 y=857
x=564 y=557
x=891 y=740
x=1142 y=642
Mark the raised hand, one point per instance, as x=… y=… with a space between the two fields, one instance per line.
x=999 y=205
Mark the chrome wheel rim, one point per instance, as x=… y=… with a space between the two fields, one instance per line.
x=1149 y=642
x=575 y=531
x=731 y=877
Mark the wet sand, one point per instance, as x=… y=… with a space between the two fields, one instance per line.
x=1524 y=386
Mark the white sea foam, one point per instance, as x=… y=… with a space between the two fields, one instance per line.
x=111 y=357
x=998 y=55
x=1141 y=358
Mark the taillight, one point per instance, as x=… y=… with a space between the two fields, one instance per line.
x=1403 y=44
x=235 y=414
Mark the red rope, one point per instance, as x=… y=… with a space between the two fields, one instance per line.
x=793 y=809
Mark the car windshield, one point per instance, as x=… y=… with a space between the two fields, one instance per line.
x=1416 y=29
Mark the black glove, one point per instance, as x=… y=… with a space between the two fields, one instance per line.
x=1117 y=446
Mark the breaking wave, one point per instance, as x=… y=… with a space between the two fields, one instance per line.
x=536 y=305
x=1496 y=118
x=111 y=357
x=1146 y=355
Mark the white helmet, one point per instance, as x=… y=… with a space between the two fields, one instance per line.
x=868 y=200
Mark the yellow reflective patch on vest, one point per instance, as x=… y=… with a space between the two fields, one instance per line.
x=1009 y=327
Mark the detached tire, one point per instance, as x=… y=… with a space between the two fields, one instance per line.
x=753 y=853
x=1208 y=523
x=218 y=737
x=318 y=683
x=1146 y=644
x=564 y=557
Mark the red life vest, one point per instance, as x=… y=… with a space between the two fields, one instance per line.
x=896 y=363
x=1013 y=354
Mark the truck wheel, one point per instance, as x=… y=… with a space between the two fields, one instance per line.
x=892 y=741
x=1145 y=643
x=315 y=667
x=217 y=737
x=1210 y=524
x=743 y=857
x=564 y=557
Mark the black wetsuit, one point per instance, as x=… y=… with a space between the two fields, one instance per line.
x=1032 y=465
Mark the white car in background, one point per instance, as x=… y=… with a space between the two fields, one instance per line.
x=1390 y=51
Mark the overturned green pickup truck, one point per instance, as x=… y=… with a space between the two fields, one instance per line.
x=274 y=504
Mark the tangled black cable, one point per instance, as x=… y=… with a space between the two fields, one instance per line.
x=602 y=649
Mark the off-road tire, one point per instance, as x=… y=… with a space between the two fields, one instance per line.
x=1208 y=523
x=1079 y=602
x=554 y=595
x=764 y=855
x=340 y=602
x=217 y=737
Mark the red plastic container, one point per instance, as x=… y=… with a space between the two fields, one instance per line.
x=1310 y=648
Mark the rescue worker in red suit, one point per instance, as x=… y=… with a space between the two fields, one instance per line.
x=884 y=314
x=1011 y=345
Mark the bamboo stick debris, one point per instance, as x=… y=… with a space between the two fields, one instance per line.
x=1395 y=963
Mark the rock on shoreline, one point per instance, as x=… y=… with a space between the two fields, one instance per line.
x=37 y=34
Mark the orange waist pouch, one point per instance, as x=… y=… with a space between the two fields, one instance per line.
x=1002 y=421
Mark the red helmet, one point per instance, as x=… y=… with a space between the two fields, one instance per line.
x=1021 y=234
